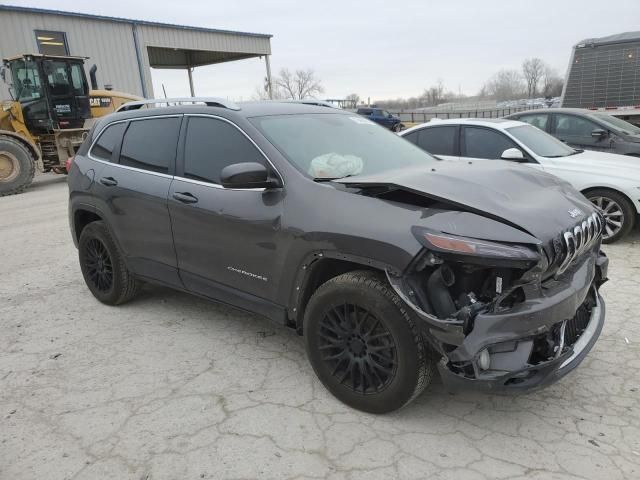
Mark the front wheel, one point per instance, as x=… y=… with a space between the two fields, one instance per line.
x=617 y=210
x=363 y=343
x=17 y=166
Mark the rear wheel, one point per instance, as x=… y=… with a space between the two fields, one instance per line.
x=363 y=343
x=103 y=267
x=617 y=210
x=17 y=166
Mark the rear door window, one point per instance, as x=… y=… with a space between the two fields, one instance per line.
x=540 y=120
x=213 y=144
x=107 y=142
x=412 y=137
x=438 y=140
x=150 y=144
x=485 y=143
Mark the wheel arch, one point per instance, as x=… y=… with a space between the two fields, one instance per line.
x=585 y=191
x=83 y=216
x=320 y=267
x=33 y=149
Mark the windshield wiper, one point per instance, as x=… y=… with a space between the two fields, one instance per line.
x=576 y=151
x=330 y=179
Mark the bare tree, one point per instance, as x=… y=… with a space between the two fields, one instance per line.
x=533 y=70
x=552 y=83
x=261 y=94
x=298 y=85
x=504 y=85
x=433 y=95
x=354 y=97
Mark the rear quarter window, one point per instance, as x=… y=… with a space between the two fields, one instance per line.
x=107 y=141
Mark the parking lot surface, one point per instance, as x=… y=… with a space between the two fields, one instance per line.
x=170 y=386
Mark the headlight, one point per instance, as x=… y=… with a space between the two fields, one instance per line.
x=471 y=246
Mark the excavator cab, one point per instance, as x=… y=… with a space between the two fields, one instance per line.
x=53 y=91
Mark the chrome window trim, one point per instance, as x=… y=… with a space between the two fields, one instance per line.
x=184 y=179
x=217 y=185
x=123 y=121
x=127 y=167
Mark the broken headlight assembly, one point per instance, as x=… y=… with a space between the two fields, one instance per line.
x=458 y=277
x=445 y=243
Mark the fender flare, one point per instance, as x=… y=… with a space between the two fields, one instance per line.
x=305 y=273
x=26 y=142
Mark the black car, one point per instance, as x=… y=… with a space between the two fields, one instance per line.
x=587 y=129
x=388 y=261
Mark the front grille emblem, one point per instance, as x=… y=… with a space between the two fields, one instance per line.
x=574 y=213
x=579 y=239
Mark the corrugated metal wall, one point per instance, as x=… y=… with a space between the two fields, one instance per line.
x=111 y=46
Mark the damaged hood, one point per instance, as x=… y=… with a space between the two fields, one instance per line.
x=533 y=201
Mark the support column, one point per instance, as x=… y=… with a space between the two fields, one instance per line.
x=268 y=65
x=190 y=72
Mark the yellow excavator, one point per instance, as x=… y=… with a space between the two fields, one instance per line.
x=51 y=111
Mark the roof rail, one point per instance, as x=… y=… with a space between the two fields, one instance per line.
x=310 y=101
x=208 y=101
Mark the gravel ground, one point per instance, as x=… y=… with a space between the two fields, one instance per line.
x=173 y=387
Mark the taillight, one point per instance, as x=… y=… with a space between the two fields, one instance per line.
x=68 y=163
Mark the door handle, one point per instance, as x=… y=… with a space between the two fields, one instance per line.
x=108 y=181
x=185 y=197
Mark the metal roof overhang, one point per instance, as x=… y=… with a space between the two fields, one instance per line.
x=180 y=58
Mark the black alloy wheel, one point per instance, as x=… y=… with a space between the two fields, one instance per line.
x=103 y=266
x=363 y=343
x=358 y=348
x=99 y=265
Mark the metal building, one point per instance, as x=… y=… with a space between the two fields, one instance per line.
x=124 y=50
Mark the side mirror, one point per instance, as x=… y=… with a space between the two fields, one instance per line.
x=599 y=133
x=247 y=175
x=3 y=74
x=513 y=154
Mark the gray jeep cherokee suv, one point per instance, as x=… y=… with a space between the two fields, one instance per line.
x=389 y=262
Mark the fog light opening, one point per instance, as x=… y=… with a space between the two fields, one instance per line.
x=484 y=360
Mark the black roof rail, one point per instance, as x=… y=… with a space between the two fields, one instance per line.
x=310 y=101
x=169 y=102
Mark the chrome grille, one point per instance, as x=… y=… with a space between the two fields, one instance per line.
x=579 y=239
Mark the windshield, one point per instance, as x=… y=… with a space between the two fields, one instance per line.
x=539 y=142
x=616 y=123
x=336 y=145
x=26 y=81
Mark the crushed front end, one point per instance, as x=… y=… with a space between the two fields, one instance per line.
x=508 y=317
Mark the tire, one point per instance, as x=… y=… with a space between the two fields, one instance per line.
x=103 y=267
x=17 y=166
x=356 y=320
x=619 y=213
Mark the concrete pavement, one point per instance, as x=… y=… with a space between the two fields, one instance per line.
x=170 y=386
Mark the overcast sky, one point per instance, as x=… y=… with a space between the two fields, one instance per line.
x=378 y=49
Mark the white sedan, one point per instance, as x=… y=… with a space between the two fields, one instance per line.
x=610 y=181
